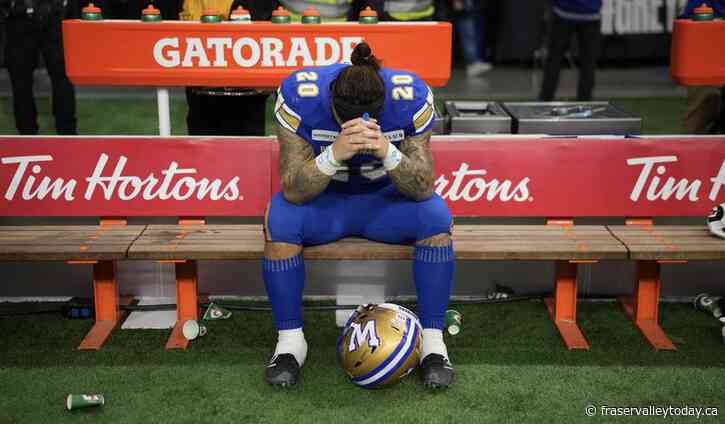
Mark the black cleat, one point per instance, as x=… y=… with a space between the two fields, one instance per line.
x=283 y=370
x=436 y=372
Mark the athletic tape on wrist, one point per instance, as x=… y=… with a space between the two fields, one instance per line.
x=393 y=158
x=326 y=162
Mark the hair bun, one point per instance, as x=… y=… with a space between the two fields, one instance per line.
x=362 y=55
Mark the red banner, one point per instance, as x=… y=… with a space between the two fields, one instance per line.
x=126 y=176
x=260 y=54
x=581 y=177
x=154 y=176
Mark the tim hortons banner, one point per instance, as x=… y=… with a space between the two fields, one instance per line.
x=185 y=176
x=128 y=176
x=260 y=54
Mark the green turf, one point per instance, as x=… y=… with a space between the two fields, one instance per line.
x=138 y=116
x=511 y=365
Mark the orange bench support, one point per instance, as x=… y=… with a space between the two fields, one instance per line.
x=562 y=307
x=187 y=297
x=105 y=297
x=643 y=307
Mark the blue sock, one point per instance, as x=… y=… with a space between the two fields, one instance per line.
x=433 y=274
x=285 y=280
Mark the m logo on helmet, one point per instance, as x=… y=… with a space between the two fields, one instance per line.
x=361 y=334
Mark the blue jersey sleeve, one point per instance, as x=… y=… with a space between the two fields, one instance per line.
x=423 y=110
x=298 y=102
x=409 y=102
x=287 y=108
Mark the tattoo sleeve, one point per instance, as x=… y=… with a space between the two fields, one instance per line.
x=300 y=178
x=414 y=175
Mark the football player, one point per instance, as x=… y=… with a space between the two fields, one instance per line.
x=355 y=161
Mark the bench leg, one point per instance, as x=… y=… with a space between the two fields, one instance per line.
x=562 y=307
x=187 y=303
x=643 y=308
x=105 y=296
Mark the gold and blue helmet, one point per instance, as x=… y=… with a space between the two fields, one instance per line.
x=380 y=344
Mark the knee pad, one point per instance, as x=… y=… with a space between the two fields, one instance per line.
x=434 y=217
x=284 y=220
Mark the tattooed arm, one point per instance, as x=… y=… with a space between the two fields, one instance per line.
x=414 y=175
x=301 y=180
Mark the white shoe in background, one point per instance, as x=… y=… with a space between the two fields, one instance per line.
x=476 y=69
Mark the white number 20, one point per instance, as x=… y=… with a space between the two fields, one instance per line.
x=402 y=90
x=307 y=89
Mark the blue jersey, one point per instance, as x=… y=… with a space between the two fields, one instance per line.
x=304 y=106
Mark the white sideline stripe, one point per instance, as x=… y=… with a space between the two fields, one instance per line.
x=395 y=362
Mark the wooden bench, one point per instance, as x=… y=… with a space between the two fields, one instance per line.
x=483 y=178
x=652 y=246
x=567 y=245
x=100 y=246
x=185 y=244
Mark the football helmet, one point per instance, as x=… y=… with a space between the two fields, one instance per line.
x=716 y=221
x=380 y=344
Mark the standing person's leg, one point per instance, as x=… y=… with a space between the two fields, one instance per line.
x=467 y=23
x=199 y=118
x=289 y=227
x=559 y=39
x=21 y=58
x=393 y=218
x=64 y=95
x=256 y=111
x=703 y=110
x=243 y=115
x=588 y=36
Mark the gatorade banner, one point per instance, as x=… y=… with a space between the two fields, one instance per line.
x=185 y=176
x=257 y=54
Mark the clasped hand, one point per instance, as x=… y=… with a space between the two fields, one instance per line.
x=360 y=136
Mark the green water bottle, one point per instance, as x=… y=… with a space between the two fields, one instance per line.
x=91 y=13
x=281 y=16
x=210 y=16
x=311 y=16
x=368 y=16
x=151 y=14
x=703 y=13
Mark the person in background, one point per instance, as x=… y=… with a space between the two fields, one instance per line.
x=330 y=10
x=705 y=111
x=31 y=31
x=583 y=18
x=227 y=110
x=467 y=21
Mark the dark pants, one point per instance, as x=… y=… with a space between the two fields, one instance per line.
x=225 y=115
x=588 y=35
x=25 y=41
